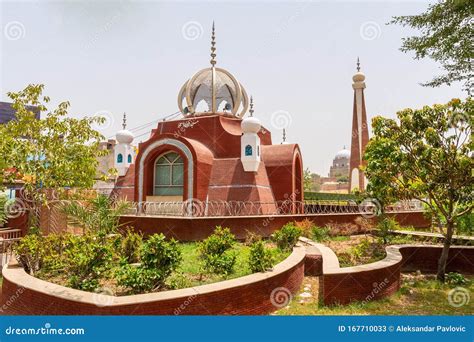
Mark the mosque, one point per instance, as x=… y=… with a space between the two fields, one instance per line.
x=218 y=151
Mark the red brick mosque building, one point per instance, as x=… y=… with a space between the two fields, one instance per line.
x=218 y=151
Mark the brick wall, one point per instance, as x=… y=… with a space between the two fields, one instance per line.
x=193 y=229
x=381 y=279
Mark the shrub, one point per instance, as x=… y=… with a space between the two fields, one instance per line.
x=159 y=258
x=54 y=247
x=217 y=243
x=130 y=246
x=138 y=279
x=220 y=264
x=251 y=237
x=287 y=237
x=161 y=254
x=260 y=258
x=85 y=259
x=385 y=226
x=320 y=233
x=30 y=252
x=455 y=279
x=306 y=227
x=99 y=215
x=214 y=251
x=3 y=213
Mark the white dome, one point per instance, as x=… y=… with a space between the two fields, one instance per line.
x=344 y=153
x=124 y=136
x=251 y=125
x=358 y=77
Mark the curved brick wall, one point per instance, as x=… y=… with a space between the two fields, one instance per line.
x=23 y=294
x=382 y=278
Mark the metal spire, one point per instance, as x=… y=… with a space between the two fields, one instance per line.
x=251 y=106
x=124 y=123
x=213 y=46
x=358 y=64
x=284 y=136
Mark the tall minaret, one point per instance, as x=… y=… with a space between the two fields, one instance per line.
x=360 y=132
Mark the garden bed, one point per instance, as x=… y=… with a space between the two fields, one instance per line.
x=189 y=273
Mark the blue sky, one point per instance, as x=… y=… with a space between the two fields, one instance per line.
x=296 y=59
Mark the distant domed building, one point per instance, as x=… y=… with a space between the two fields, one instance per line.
x=340 y=164
x=338 y=177
x=214 y=153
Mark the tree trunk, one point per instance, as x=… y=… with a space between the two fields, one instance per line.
x=444 y=254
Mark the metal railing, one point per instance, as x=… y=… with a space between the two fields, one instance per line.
x=196 y=208
x=8 y=237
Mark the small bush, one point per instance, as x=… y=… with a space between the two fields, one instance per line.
x=260 y=258
x=320 y=233
x=214 y=251
x=307 y=226
x=138 y=279
x=159 y=258
x=251 y=238
x=3 y=213
x=455 y=279
x=385 y=226
x=85 y=259
x=221 y=264
x=287 y=237
x=30 y=252
x=217 y=243
x=130 y=246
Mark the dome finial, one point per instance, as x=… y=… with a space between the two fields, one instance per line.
x=213 y=45
x=358 y=64
x=124 y=122
x=251 y=106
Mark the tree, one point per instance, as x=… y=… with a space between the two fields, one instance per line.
x=307 y=180
x=50 y=154
x=447 y=32
x=427 y=155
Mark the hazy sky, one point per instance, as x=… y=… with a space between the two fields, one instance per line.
x=296 y=58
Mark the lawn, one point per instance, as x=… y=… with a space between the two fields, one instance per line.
x=418 y=295
x=190 y=272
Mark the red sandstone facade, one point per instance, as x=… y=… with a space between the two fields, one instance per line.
x=210 y=148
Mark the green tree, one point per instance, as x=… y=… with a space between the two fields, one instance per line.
x=307 y=180
x=426 y=155
x=447 y=32
x=50 y=154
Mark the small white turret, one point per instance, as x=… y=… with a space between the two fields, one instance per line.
x=250 y=142
x=124 y=154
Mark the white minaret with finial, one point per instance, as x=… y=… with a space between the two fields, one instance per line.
x=250 y=142
x=124 y=153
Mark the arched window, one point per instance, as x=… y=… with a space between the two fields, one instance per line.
x=120 y=158
x=248 y=150
x=129 y=159
x=169 y=172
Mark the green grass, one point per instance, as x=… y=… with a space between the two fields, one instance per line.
x=190 y=272
x=419 y=297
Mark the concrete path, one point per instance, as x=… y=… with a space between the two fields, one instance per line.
x=429 y=234
x=330 y=260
